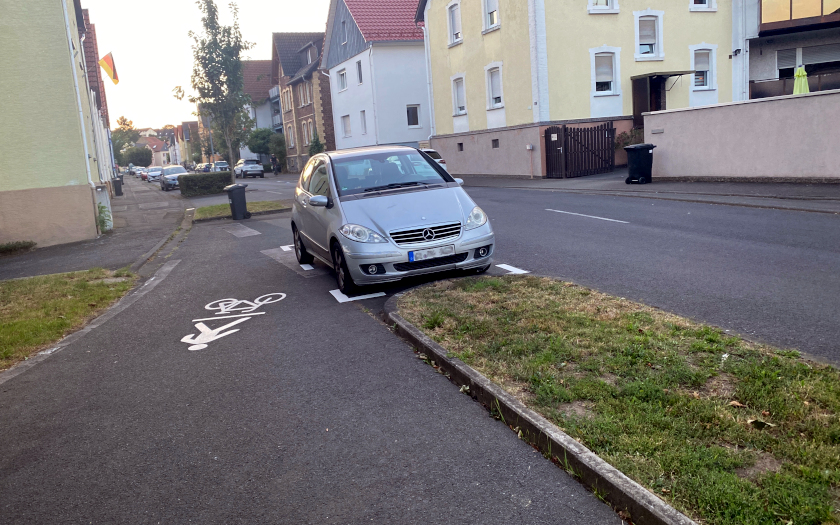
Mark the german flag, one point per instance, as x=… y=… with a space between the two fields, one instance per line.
x=107 y=64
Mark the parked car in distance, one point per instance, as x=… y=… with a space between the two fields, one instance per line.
x=382 y=213
x=249 y=168
x=143 y=173
x=435 y=156
x=220 y=166
x=169 y=178
x=153 y=174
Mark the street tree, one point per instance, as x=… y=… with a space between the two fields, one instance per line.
x=316 y=146
x=217 y=77
x=277 y=147
x=260 y=141
x=138 y=156
x=123 y=137
x=196 y=158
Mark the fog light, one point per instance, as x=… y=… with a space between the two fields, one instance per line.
x=372 y=269
x=482 y=252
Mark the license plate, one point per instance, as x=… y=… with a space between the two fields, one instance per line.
x=431 y=253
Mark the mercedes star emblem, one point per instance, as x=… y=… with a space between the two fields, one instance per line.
x=428 y=234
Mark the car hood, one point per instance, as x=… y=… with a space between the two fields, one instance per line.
x=411 y=209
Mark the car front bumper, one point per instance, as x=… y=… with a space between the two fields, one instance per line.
x=395 y=262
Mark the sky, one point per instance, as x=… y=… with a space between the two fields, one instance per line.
x=153 y=54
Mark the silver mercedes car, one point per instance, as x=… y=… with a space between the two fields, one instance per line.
x=383 y=213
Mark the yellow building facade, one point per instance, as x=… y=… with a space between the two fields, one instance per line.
x=502 y=67
x=52 y=178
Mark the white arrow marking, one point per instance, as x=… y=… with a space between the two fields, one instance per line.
x=511 y=269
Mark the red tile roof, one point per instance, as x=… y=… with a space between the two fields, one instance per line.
x=256 y=75
x=385 y=20
x=155 y=144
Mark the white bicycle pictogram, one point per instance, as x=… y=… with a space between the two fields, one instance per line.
x=226 y=307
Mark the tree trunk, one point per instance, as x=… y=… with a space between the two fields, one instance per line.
x=231 y=158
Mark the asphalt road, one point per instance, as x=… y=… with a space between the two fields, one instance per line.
x=770 y=275
x=312 y=412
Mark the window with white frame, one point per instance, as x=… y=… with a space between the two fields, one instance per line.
x=413 y=112
x=454 y=11
x=308 y=92
x=494 y=88
x=311 y=131
x=459 y=96
x=309 y=56
x=702 y=68
x=342 y=80
x=345 y=125
x=702 y=5
x=604 y=73
x=343 y=32
x=305 y=135
x=359 y=71
x=363 y=121
x=491 y=14
x=602 y=6
x=291 y=137
x=649 y=39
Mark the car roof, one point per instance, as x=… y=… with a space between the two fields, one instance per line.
x=345 y=154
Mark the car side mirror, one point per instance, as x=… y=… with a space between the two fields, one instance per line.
x=460 y=182
x=318 y=200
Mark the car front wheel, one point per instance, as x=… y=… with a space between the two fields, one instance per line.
x=345 y=282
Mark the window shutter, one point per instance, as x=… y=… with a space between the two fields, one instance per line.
x=455 y=12
x=702 y=60
x=492 y=7
x=820 y=54
x=647 y=31
x=786 y=58
x=459 y=96
x=603 y=68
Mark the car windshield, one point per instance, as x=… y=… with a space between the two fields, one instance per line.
x=384 y=171
x=432 y=153
x=176 y=170
x=221 y=164
x=155 y=169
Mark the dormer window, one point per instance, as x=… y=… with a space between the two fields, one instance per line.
x=309 y=56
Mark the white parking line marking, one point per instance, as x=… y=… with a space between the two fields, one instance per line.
x=341 y=298
x=307 y=267
x=511 y=269
x=287 y=248
x=240 y=230
x=589 y=216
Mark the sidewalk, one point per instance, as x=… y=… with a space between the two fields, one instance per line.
x=824 y=198
x=143 y=217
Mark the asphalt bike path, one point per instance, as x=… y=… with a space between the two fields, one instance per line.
x=241 y=390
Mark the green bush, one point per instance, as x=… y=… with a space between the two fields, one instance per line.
x=15 y=247
x=203 y=183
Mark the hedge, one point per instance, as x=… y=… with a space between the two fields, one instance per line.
x=204 y=183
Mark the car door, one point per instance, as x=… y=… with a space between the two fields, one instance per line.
x=301 y=204
x=318 y=218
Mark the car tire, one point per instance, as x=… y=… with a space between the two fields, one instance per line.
x=627 y=180
x=303 y=257
x=262 y=176
x=345 y=282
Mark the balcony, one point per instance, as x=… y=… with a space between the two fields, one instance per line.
x=274 y=93
x=784 y=86
x=277 y=121
x=786 y=16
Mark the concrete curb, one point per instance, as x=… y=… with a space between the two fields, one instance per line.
x=186 y=223
x=620 y=491
x=253 y=214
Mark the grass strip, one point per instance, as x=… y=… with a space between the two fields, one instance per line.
x=36 y=312
x=726 y=431
x=220 y=211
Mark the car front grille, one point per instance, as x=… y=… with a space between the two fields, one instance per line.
x=431 y=263
x=418 y=235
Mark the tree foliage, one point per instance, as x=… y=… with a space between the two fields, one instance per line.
x=316 y=146
x=217 y=77
x=123 y=137
x=277 y=147
x=260 y=141
x=196 y=158
x=138 y=156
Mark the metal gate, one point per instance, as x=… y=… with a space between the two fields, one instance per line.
x=576 y=152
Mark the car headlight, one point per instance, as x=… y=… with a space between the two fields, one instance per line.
x=477 y=218
x=358 y=233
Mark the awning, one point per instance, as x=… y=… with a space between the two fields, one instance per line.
x=664 y=74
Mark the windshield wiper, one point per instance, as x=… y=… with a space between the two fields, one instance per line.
x=394 y=185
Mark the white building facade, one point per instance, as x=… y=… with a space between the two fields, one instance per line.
x=378 y=83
